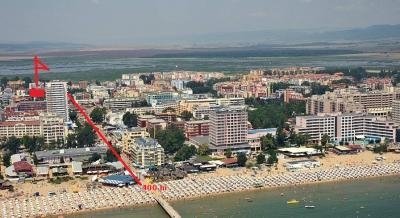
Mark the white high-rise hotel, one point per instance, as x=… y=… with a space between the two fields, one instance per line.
x=228 y=128
x=56 y=97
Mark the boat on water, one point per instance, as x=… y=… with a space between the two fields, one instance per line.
x=293 y=201
x=249 y=199
x=309 y=206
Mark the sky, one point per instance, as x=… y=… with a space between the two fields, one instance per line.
x=107 y=22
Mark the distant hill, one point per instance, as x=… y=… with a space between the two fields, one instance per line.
x=40 y=47
x=377 y=32
x=263 y=42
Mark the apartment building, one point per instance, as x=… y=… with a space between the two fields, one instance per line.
x=98 y=92
x=290 y=95
x=316 y=126
x=49 y=125
x=161 y=97
x=52 y=128
x=130 y=135
x=196 y=128
x=56 y=98
x=353 y=100
x=141 y=110
x=145 y=152
x=118 y=104
x=228 y=128
x=167 y=116
x=191 y=104
x=32 y=106
x=346 y=126
x=20 y=128
x=396 y=111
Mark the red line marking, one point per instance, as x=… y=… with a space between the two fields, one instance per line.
x=103 y=138
x=37 y=66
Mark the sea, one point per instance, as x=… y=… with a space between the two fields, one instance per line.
x=373 y=197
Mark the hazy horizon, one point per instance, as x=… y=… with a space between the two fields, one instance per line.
x=105 y=22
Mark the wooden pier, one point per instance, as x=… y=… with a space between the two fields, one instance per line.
x=166 y=206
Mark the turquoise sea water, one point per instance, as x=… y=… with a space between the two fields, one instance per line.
x=376 y=197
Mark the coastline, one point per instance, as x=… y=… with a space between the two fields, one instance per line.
x=278 y=187
x=339 y=180
x=131 y=197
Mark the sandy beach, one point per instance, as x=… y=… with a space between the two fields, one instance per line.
x=334 y=168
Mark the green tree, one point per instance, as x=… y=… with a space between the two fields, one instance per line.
x=381 y=147
x=268 y=142
x=94 y=157
x=97 y=114
x=185 y=152
x=6 y=159
x=280 y=137
x=73 y=116
x=171 y=139
x=33 y=143
x=147 y=79
x=85 y=136
x=324 y=141
x=203 y=149
x=12 y=144
x=319 y=148
x=279 y=85
x=300 y=139
x=260 y=158
x=272 y=157
x=186 y=115
x=71 y=141
x=110 y=157
x=228 y=153
x=275 y=114
x=241 y=159
x=129 y=119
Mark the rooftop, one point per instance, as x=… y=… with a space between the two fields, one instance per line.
x=230 y=108
x=146 y=142
x=22 y=166
x=268 y=130
x=71 y=152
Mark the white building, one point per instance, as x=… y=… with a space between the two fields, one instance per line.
x=254 y=137
x=146 y=152
x=52 y=128
x=396 y=111
x=178 y=84
x=346 y=127
x=98 y=92
x=56 y=98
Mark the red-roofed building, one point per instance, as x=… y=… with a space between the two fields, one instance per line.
x=23 y=167
x=230 y=162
